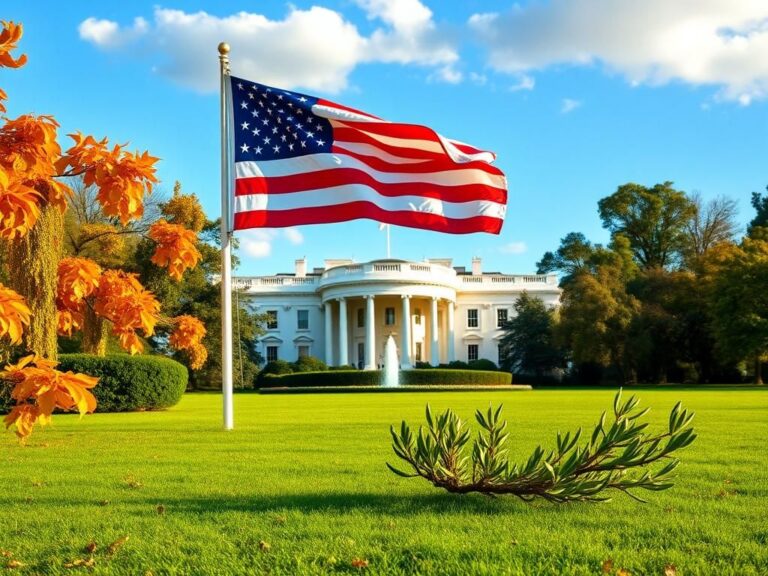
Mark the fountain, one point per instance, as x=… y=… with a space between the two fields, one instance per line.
x=390 y=364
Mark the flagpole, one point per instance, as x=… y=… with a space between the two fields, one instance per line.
x=226 y=248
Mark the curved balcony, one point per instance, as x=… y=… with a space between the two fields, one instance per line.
x=397 y=271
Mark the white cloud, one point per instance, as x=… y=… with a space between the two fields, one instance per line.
x=108 y=34
x=294 y=236
x=722 y=43
x=316 y=48
x=525 y=83
x=447 y=74
x=569 y=105
x=258 y=242
x=514 y=248
x=479 y=79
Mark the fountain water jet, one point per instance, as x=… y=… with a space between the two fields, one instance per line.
x=390 y=364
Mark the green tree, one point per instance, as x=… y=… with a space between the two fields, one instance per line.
x=528 y=345
x=573 y=256
x=595 y=316
x=739 y=302
x=653 y=220
x=760 y=204
x=198 y=295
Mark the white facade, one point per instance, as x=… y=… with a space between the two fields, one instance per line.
x=344 y=312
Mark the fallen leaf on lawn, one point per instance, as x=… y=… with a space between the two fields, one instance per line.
x=514 y=542
x=623 y=572
x=91 y=547
x=6 y=553
x=607 y=566
x=359 y=563
x=115 y=546
x=160 y=509
x=104 y=503
x=14 y=564
x=264 y=546
x=77 y=562
x=670 y=570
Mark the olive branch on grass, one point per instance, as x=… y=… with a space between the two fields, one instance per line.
x=617 y=457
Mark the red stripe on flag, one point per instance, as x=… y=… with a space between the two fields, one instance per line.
x=342 y=176
x=356 y=210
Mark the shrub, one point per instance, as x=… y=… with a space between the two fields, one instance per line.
x=618 y=456
x=482 y=364
x=128 y=383
x=374 y=377
x=422 y=365
x=342 y=368
x=309 y=364
x=458 y=365
x=450 y=377
x=319 y=379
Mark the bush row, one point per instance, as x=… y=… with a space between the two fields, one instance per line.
x=480 y=364
x=431 y=377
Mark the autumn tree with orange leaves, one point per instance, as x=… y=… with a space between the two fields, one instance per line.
x=49 y=295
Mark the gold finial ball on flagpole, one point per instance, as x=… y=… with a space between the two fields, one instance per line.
x=223 y=48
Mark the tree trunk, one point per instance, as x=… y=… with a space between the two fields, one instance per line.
x=33 y=263
x=95 y=333
x=758 y=371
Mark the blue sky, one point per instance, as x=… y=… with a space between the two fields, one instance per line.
x=576 y=97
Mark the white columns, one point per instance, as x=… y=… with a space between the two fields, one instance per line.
x=433 y=347
x=451 y=333
x=328 y=334
x=405 y=343
x=343 y=343
x=370 y=334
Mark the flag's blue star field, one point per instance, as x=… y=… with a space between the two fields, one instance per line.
x=274 y=124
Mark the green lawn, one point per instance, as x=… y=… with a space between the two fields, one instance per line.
x=306 y=475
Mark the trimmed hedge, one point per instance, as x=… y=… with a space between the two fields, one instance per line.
x=129 y=383
x=455 y=377
x=434 y=377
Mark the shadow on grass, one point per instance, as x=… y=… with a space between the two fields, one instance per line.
x=344 y=503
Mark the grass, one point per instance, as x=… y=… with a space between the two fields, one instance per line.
x=305 y=476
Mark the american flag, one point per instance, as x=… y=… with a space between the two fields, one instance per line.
x=304 y=160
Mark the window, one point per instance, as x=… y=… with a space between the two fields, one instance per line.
x=502 y=315
x=361 y=318
x=271 y=319
x=303 y=319
x=502 y=355
x=472 y=352
x=303 y=351
x=389 y=316
x=472 y=318
x=418 y=352
x=417 y=315
x=271 y=353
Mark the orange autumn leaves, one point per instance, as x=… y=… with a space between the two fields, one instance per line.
x=14 y=315
x=32 y=166
x=175 y=248
x=120 y=298
x=39 y=389
x=188 y=336
x=9 y=37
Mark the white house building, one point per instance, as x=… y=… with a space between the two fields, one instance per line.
x=345 y=311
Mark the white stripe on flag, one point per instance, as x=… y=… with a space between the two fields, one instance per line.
x=325 y=161
x=339 y=195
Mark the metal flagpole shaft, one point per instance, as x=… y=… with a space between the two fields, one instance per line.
x=226 y=248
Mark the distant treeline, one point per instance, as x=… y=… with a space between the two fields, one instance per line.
x=675 y=296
